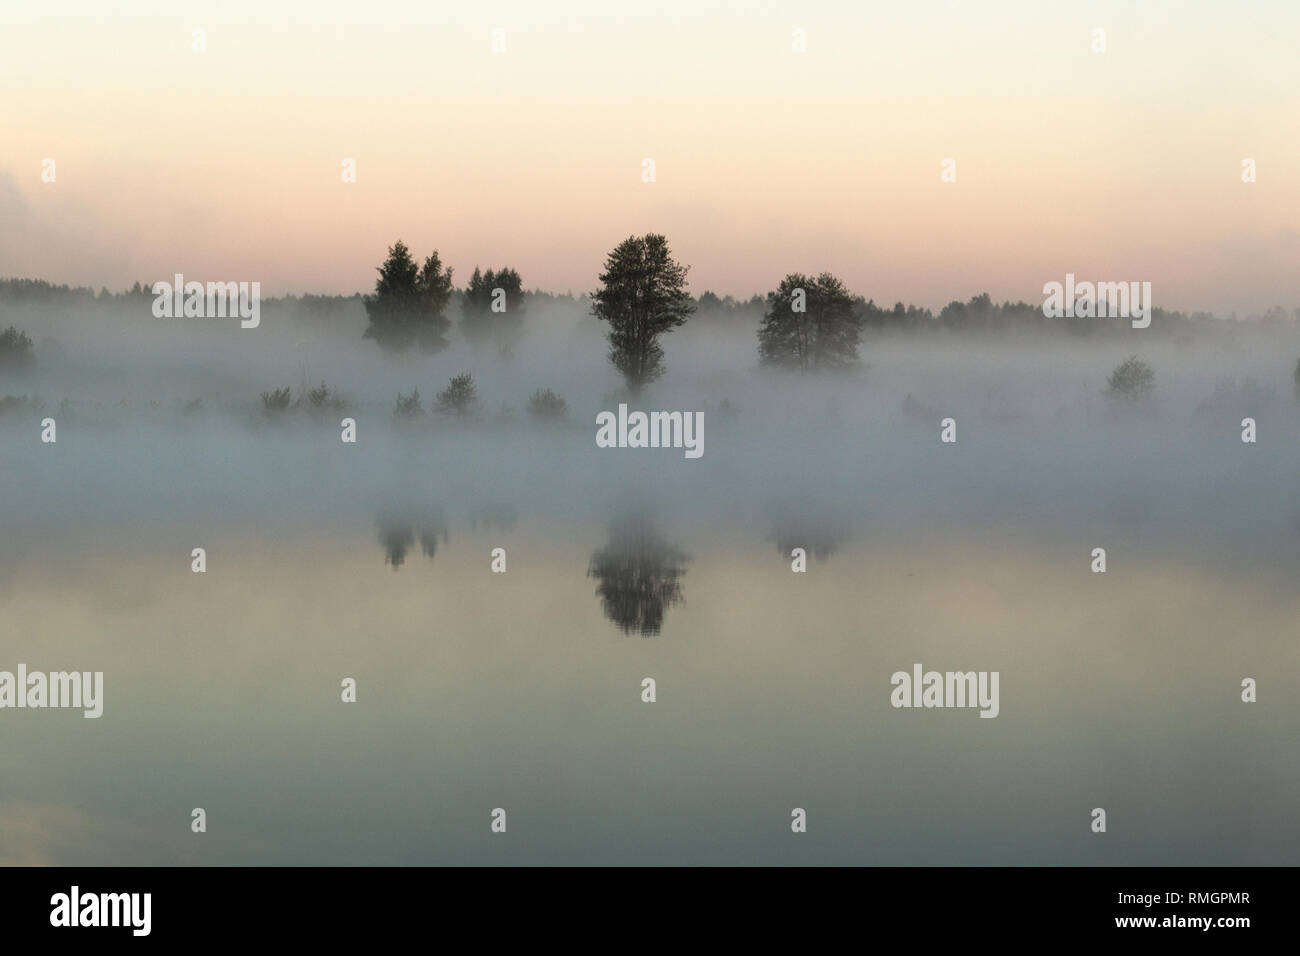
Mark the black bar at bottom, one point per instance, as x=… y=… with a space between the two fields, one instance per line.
x=375 y=905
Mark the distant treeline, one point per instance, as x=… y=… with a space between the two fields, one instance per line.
x=978 y=314
x=981 y=314
x=38 y=291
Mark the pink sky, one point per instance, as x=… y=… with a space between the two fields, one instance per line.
x=225 y=164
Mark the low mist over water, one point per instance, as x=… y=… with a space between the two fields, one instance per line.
x=499 y=586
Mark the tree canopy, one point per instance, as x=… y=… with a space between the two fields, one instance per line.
x=642 y=296
x=810 y=324
x=407 y=307
x=492 y=309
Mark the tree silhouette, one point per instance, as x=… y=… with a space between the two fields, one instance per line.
x=642 y=296
x=811 y=324
x=489 y=317
x=15 y=348
x=408 y=304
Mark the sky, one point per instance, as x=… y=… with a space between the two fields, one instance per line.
x=226 y=163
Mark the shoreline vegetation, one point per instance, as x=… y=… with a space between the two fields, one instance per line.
x=979 y=314
x=811 y=327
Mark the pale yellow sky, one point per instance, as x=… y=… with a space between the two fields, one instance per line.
x=225 y=164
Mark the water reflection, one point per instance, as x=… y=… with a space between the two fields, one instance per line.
x=492 y=515
x=639 y=575
x=398 y=530
x=396 y=539
x=819 y=533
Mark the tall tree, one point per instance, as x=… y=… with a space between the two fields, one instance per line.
x=810 y=324
x=493 y=308
x=642 y=296
x=409 y=301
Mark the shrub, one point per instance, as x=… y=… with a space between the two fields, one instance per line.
x=16 y=403
x=545 y=405
x=460 y=396
x=275 y=401
x=321 y=399
x=1132 y=378
x=408 y=406
x=317 y=397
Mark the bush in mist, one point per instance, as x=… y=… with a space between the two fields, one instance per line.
x=919 y=411
x=727 y=409
x=408 y=304
x=15 y=348
x=275 y=401
x=459 y=397
x=1238 y=398
x=642 y=296
x=810 y=324
x=545 y=405
x=1132 y=378
x=317 y=397
x=17 y=403
x=487 y=316
x=408 y=406
x=1296 y=376
x=322 y=399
